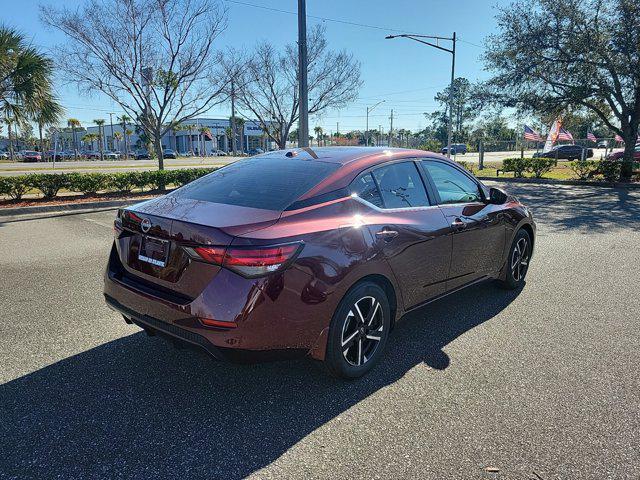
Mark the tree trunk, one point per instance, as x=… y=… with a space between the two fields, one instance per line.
x=41 y=141
x=75 y=143
x=100 y=140
x=629 y=150
x=11 y=155
x=157 y=137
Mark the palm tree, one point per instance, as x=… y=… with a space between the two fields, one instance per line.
x=74 y=123
x=90 y=138
x=204 y=132
x=25 y=80
x=118 y=136
x=124 y=119
x=318 y=132
x=48 y=114
x=100 y=123
x=127 y=140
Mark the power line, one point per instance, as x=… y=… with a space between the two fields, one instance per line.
x=324 y=19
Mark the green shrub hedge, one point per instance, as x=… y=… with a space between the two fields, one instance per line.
x=584 y=169
x=49 y=184
x=516 y=165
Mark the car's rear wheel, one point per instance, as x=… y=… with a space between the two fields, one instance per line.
x=518 y=261
x=359 y=331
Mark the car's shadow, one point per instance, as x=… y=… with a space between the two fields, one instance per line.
x=134 y=407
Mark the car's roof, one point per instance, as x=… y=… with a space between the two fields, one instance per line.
x=345 y=155
x=353 y=160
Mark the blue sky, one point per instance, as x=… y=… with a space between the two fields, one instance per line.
x=403 y=73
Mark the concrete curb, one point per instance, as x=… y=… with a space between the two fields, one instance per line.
x=8 y=215
x=551 y=181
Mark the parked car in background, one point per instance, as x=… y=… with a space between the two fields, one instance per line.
x=566 y=152
x=91 y=155
x=31 y=156
x=142 y=155
x=619 y=154
x=111 y=155
x=603 y=144
x=219 y=153
x=256 y=151
x=4 y=156
x=456 y=149
x=316 y=252
x=169 y=153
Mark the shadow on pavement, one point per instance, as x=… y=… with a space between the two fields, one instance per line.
x=590 y=209
x=135 y=407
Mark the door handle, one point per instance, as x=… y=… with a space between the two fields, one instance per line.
x=387 y=235
x=458 y=224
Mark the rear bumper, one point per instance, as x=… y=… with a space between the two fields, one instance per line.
x=271 y=321
x=158 y=326
x=155 y=326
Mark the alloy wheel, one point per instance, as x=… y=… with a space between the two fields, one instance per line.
x=362 y=331
x=520 y=259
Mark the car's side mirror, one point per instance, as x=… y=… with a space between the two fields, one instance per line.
x=497 y=196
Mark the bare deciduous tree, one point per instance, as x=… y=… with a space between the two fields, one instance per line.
x=154 y=58
x=267 y=85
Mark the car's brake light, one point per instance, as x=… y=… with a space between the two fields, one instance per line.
x=210 y=254
x=248 y=262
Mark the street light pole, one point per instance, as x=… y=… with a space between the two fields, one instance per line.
x=303 y=121
x=366 y=131
x=452 y=51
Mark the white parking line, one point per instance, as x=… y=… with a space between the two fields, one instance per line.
x=98 y=223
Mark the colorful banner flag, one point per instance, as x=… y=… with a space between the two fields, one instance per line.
x=592 y=137
x=552 y=137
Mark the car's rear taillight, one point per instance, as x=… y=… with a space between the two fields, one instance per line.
x=117 y=224
x=249 y=261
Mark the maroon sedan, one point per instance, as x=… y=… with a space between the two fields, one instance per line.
x=312 y=252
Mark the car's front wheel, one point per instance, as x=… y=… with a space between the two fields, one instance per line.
x=359 y=331
x=518 y=260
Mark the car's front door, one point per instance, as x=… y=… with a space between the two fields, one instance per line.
x=477 y=227
x=408 y=229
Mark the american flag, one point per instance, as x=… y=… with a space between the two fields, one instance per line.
x=565 y=135
x=592 y=137
x=619 y=138
x=531 y=134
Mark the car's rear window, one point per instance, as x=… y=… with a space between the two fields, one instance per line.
x=262 y=182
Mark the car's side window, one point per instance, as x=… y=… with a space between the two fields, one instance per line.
x=401 y=186
x=365 y=187
x=452 y=185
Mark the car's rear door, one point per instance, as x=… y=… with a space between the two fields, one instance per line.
x=477 y=228
x=408 y=229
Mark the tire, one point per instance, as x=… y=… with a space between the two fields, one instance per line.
x=517 y=263
x=357 y=339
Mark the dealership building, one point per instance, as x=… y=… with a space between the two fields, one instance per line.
x=182 y=141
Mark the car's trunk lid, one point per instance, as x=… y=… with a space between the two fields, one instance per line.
x=172 y=222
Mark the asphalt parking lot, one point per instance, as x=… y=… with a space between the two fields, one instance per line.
x=541 y=383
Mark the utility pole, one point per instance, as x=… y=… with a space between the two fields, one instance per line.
x=451 y=95
x=112 y=142
x=303 y=121
x=452 y=51
x=391 y=130
x=233 y=117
